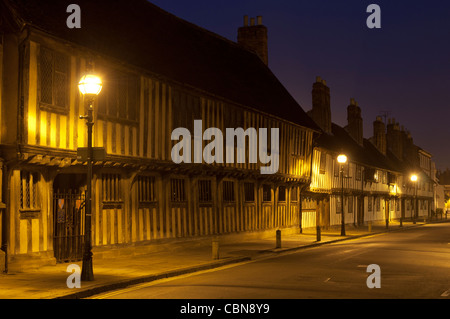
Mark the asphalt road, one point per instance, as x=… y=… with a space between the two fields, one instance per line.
x=413 y=264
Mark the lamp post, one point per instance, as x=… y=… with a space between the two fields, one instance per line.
x=342 y=159
x=414 y=179
x=90 y=86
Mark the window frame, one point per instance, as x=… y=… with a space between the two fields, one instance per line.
x=53 y=106
x=249 y=188
x=178 y=190
x=205 y=191
x=146 y=187
x=112 y=190
x=266 y=193
x=228 y=192
x=30 y=200
x=109 y=100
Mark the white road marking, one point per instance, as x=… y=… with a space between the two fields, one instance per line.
x=446 y=293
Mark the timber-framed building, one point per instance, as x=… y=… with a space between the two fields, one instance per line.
x=159 y=73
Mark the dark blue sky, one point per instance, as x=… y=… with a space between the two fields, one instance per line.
x=402 y=68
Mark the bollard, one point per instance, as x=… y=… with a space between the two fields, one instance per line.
x=369 y=223
x=319 y=234
x=278 y=244
x=215 y=248
x=401 y=222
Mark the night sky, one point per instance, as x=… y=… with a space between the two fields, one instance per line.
x=401 y=70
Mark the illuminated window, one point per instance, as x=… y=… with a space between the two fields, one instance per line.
x=29 y=198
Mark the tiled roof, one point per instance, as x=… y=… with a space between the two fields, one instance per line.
x=141 y=34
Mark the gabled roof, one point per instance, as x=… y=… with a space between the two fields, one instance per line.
x=141 y=34
x=340 y=141
x=366 y=154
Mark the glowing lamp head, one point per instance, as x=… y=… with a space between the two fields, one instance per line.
x=342 y=159
x=90 y=85
x=414 y=177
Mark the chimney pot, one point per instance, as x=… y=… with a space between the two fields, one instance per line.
x=318 y=79
x=259 y=20
x=252 y=21
x=246 y=21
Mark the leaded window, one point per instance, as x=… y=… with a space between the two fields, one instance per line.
x=29 y=198
x=53 y=78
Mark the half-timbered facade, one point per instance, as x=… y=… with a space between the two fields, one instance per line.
x=375 y=183
x=159 y=73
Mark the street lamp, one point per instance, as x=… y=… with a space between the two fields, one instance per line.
x=414 y=179
x=90 y=86
x=342 y=159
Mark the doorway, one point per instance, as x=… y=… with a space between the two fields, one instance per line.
x=68 y=216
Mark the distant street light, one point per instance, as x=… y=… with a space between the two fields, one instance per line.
x=342 y=159
x=90 y=86
x=414 y=179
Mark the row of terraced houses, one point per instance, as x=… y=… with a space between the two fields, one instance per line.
x=160 y=72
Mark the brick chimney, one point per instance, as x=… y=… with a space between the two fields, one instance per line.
x=410 y=150
x=394 y=139
x=354 y=122
x=253 y=37
x=379 y=135
x=321 y=111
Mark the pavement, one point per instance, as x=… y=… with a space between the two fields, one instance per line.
x=50 y=282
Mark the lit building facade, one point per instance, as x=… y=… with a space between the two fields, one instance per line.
x=376 y=180
x=159 y=73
